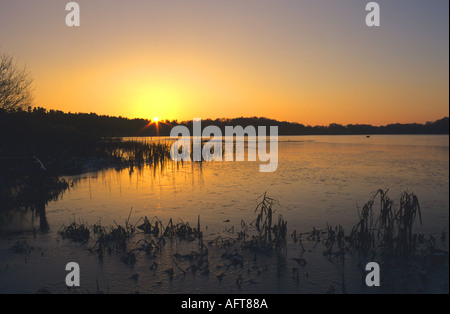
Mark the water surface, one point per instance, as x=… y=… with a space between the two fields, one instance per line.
x=319 y=180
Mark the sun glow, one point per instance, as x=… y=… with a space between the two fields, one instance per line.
x=160 y=99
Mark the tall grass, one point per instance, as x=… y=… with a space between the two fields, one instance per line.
x=270 y=234
x=384 y=227
x=133 y=153
x=392 y=230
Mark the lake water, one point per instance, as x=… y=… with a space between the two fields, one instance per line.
x=319 y=180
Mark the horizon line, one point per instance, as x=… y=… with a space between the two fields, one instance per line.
x=222 y=118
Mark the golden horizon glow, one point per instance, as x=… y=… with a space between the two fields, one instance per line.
x=311 y=62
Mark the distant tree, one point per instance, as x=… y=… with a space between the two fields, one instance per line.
x=15 y=85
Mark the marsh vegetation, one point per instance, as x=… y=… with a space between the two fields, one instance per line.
x=384 y=233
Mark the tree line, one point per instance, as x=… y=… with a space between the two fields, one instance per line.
x=39 y=120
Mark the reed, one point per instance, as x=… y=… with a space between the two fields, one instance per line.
x=388 y=231
x=392 y=230
x=182 y=230
x=132 y=152
x=77 y=232
x=269 y=235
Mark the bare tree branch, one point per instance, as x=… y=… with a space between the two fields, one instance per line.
x=15 y=85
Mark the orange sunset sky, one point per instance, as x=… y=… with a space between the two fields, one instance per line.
x=313 y=62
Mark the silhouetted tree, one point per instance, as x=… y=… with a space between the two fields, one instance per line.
x=15 y=85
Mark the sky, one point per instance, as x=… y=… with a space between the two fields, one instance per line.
x=309 y=61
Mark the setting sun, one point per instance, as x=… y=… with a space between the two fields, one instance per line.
x=155 y=119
